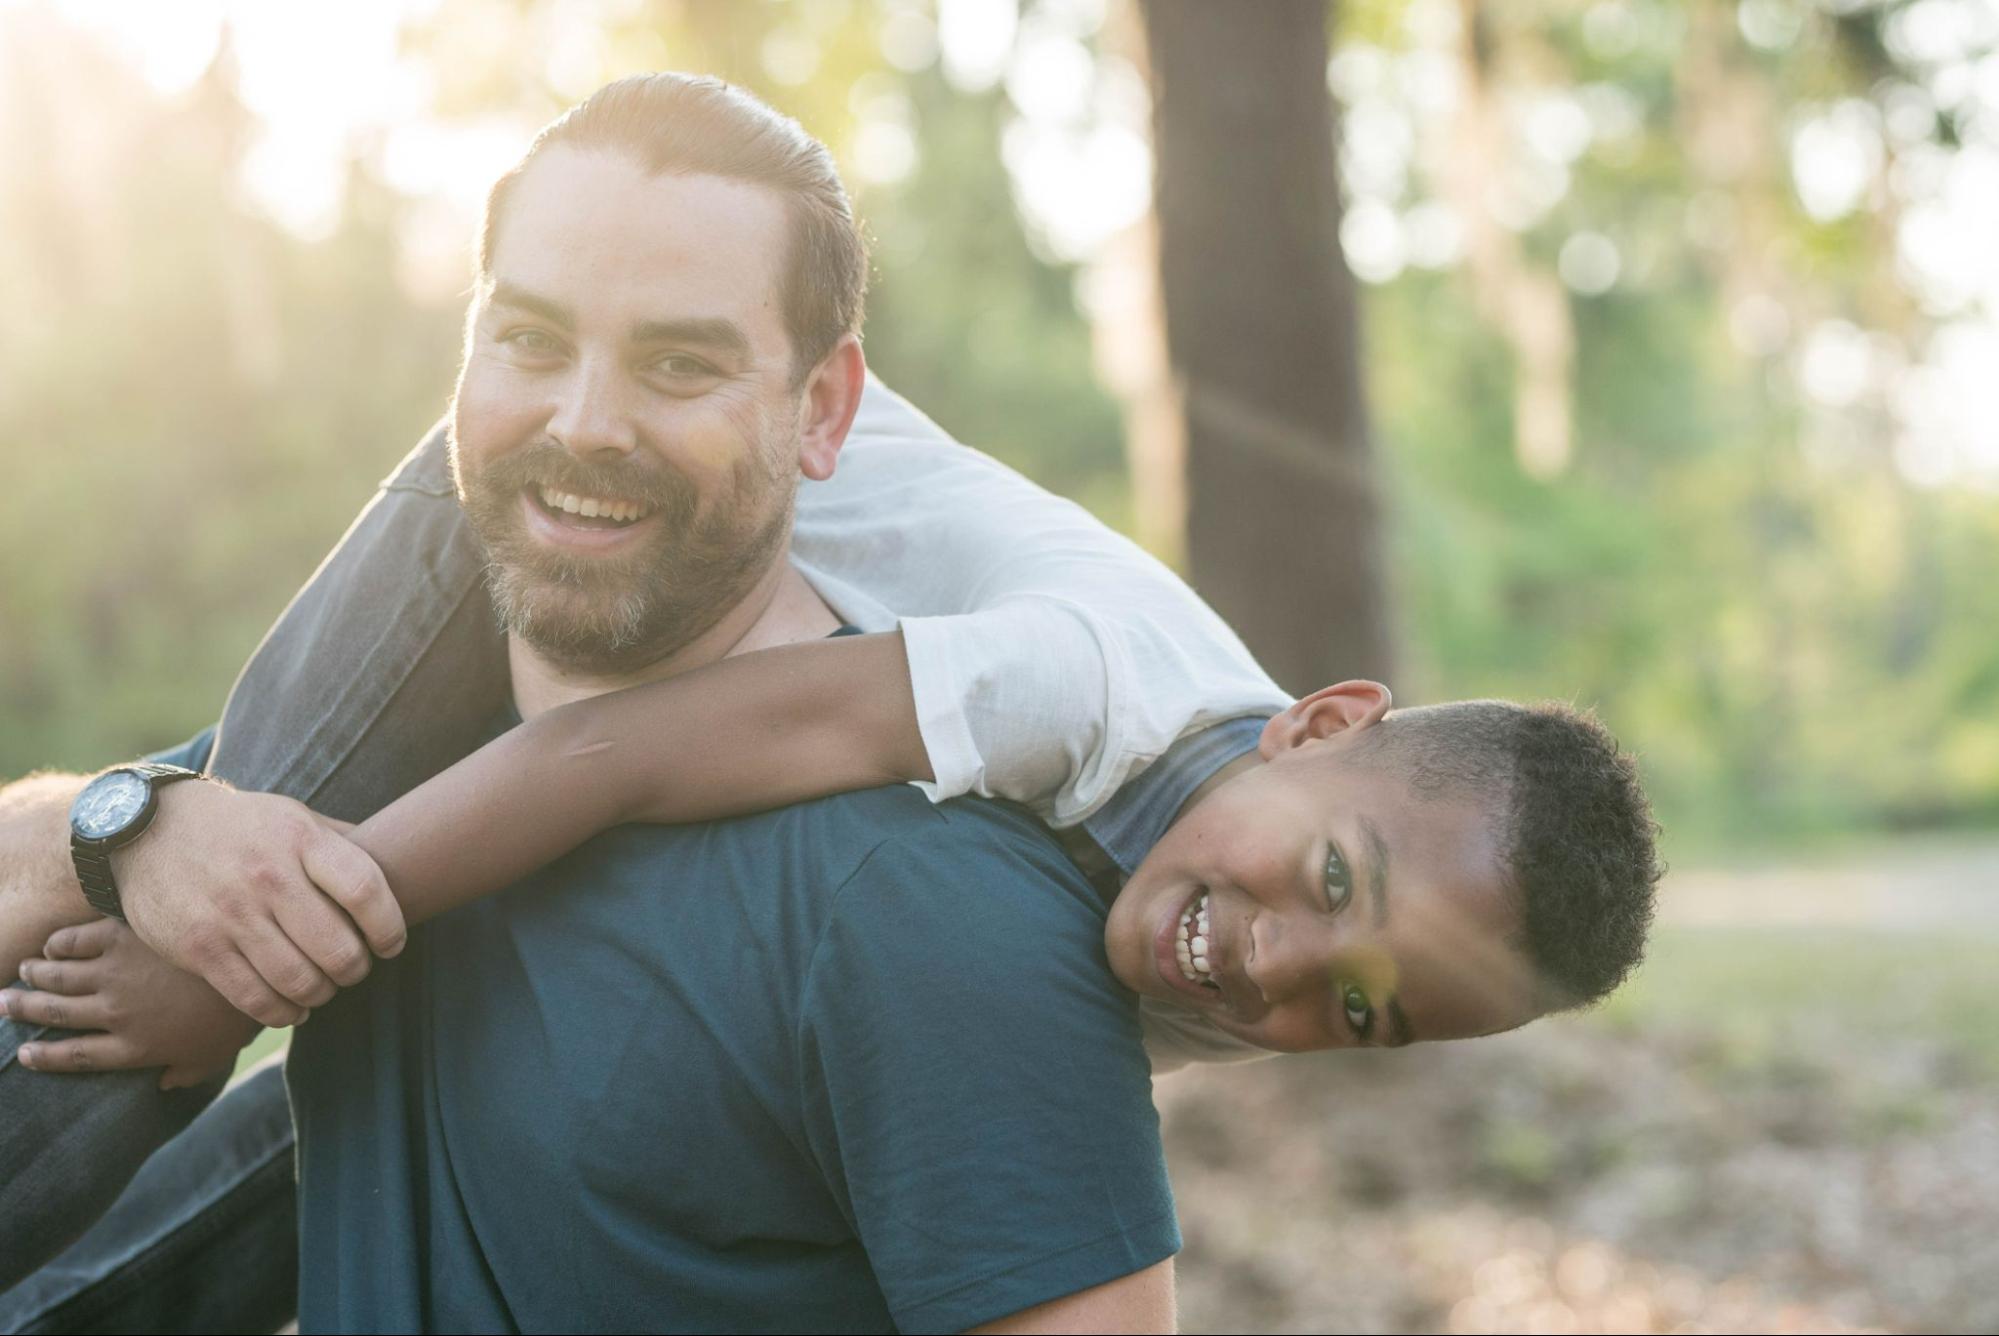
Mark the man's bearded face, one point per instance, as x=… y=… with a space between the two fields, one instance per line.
x=626 y=431
x=618 y=612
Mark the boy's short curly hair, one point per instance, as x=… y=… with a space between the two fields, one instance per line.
x=1581 y=845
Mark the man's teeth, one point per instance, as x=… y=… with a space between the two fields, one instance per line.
x=590 y=507
x=1191 y=946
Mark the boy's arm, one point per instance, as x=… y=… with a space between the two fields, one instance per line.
x=1050 y=658
x=757 y=731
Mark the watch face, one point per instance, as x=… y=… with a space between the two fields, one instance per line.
x=108 y=804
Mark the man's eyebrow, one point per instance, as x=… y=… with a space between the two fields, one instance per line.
x=1400 y=1032
x=1377 y=870
x=506 y=294
x=711 y=332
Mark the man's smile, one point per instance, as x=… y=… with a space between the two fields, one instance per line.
x=585 y=523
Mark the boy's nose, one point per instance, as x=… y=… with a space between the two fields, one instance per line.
x=1292 y=955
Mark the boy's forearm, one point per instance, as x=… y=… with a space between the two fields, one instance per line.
x=38 y=890
x=751 y=733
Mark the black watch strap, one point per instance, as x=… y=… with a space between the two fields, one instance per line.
x=92 y=858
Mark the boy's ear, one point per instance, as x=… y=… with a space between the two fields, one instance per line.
x=832 y=395
x=1341 y=708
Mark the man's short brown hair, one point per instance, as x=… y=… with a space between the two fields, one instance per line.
x=688 y=125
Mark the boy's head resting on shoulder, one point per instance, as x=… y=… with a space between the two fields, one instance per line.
x=1374 y=876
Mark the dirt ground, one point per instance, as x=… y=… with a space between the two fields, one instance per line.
x=1784 y=1129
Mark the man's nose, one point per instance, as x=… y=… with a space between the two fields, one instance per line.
x=592 y=413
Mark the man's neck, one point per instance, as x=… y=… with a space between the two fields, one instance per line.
x=782 y=609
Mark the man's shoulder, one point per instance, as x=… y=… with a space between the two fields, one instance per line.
x=982 y=849
x=969 y=897
x=858 y=835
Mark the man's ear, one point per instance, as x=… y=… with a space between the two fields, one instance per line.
x=1342 y=708
x=832 y=396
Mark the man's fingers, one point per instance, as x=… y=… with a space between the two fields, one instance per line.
x=64 y=1013
x=82 y=941
x=68 y=977
x=345 y=872
x=326 y=936
x=244 y=989
x=285 y=968
x=87 y=1053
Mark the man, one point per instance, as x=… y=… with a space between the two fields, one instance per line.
x=811 y=1104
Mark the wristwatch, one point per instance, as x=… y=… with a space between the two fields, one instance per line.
x=113 y=810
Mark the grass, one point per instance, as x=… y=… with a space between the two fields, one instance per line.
x=1755 y=987
x=265 y=1044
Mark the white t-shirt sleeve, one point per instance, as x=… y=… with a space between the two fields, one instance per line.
x=1051 y=658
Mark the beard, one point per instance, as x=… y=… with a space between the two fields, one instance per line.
x=614 y=615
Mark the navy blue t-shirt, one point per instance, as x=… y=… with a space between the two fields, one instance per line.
x=850 y=1065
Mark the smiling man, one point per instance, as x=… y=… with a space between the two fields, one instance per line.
x=796 y=1091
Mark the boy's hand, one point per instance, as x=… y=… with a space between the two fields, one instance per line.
x=101 y=977
x=254 y=893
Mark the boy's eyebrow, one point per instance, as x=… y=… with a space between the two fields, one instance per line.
x=1377 y=870
x=1400 y=1032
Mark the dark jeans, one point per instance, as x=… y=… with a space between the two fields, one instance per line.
x=382 y=672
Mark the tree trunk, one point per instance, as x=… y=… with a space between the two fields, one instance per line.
x=1283 y=522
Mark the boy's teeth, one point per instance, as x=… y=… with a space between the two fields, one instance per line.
x=1190 y=946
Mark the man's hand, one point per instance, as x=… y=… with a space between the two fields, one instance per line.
x=267 y=901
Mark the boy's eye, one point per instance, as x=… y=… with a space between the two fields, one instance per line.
x=1339 y=880
x=1359 y=1014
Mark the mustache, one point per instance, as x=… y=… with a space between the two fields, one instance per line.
x=656 y=486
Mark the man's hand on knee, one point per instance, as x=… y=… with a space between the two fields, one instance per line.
x=267 y=901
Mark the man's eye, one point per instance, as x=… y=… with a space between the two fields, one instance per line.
x=533 y=342
x=1360 y=1015
x=682 y=367
x=1339 y=880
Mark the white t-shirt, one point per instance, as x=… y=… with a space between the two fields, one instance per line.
x=1051 y=658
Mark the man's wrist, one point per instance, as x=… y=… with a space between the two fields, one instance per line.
x=114 y=812
x=38 y=889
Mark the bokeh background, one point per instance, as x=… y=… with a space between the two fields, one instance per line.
x=1673 y=334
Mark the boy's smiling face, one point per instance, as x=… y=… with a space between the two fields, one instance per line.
x=1341 y=908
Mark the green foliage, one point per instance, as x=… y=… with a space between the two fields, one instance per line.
x=193 y=402
x=1751 y=993
x=195 y=405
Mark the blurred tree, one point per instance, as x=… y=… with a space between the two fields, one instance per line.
x=193 y=405
x=1282 y=516
x=1746 y=544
